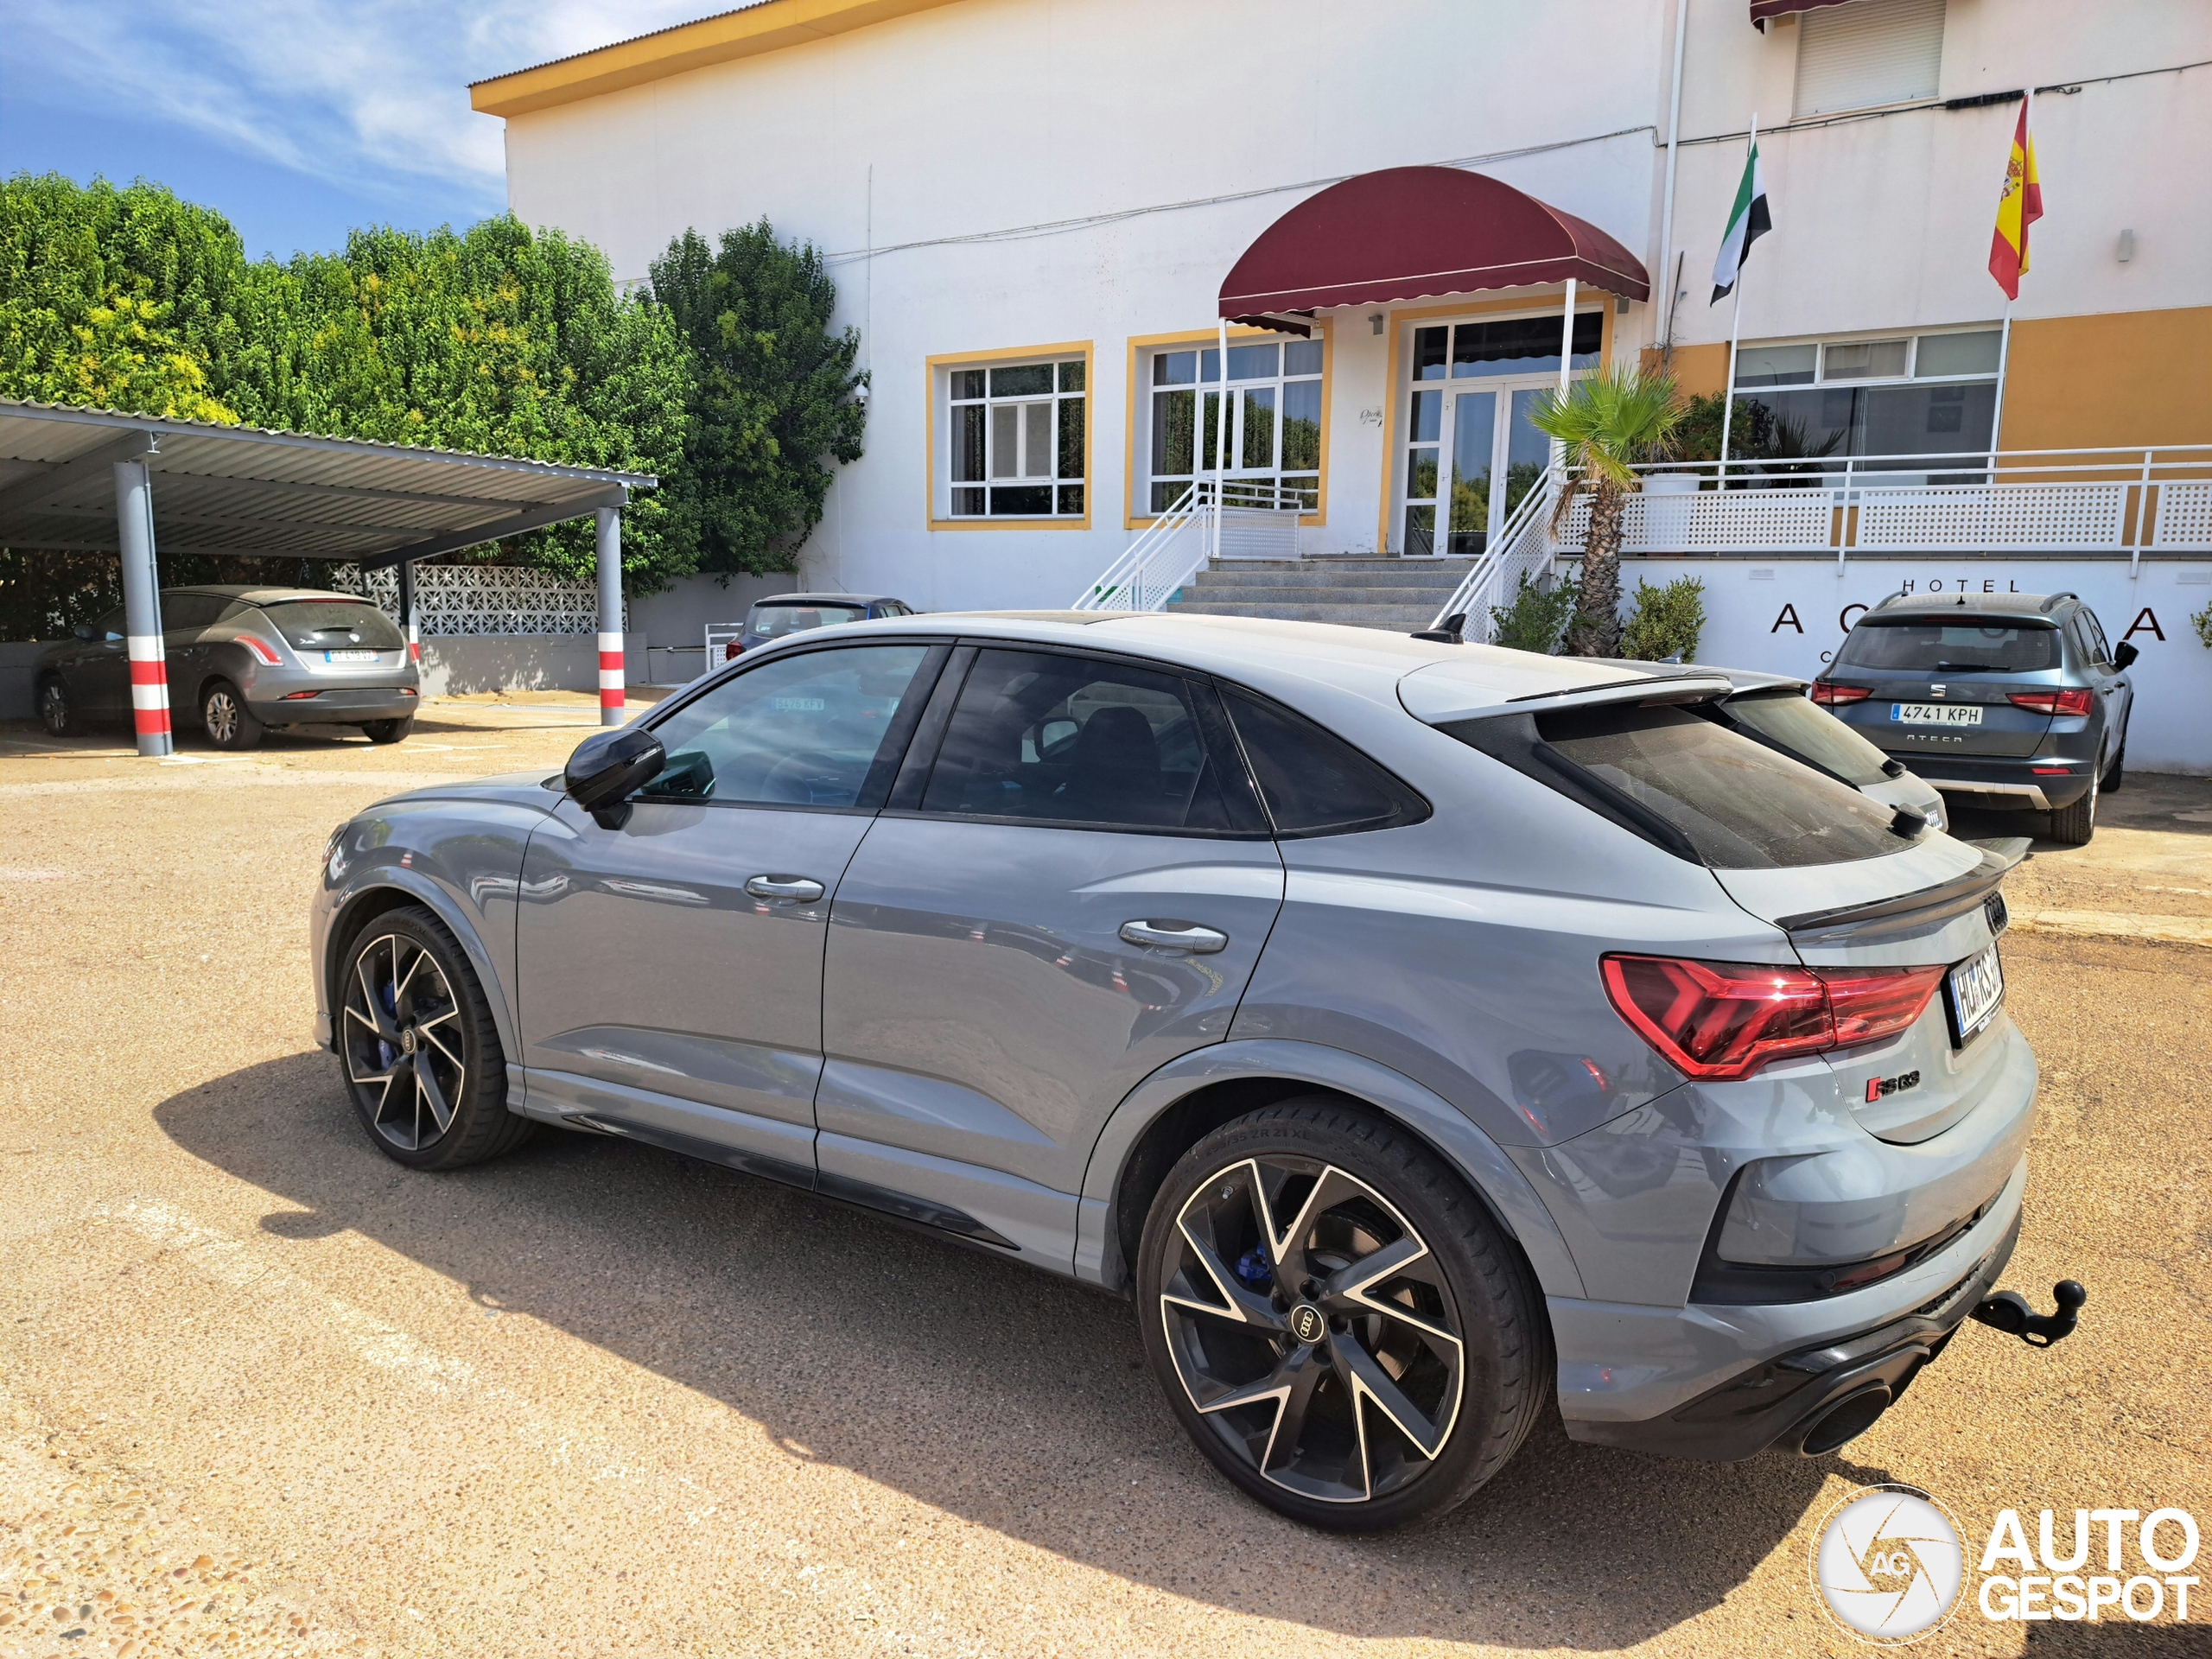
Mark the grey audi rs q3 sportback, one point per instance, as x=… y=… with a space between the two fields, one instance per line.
x=1423 y=1035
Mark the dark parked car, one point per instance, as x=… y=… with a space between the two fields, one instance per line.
x=241 y=660
x=788 y=614
x=2014 y=700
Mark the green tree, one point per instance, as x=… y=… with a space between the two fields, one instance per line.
x=115 y=299
x=773 y=396
x=1606 y=424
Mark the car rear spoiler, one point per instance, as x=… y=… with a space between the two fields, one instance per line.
x=1437 y=701
x=1914 y=913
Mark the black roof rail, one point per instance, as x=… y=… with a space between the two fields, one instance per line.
x=2053 y=599
x=1887 y=598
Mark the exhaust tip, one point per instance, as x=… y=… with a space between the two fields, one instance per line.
x=1845 y=1420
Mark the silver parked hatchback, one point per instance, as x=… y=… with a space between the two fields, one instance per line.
x=241 y=660
x=1420 y=1034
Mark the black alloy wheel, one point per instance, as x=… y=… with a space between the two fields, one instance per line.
x=421 y=1056
x=1336 y=1320
x=55 y=711
x=388 y=731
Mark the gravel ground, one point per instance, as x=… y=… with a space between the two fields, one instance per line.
x=266 y=1393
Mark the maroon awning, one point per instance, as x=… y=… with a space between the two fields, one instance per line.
x=1410 y=232
x=1763 y=9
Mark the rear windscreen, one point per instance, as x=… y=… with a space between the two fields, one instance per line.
x=1927 y=647
x=1785 y=718
x=334 y=625
x=1735 y=804
x=773 y=621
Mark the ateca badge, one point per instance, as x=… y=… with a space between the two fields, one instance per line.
x=1888 y=1565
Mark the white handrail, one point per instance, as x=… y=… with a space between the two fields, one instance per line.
x=1140 y=579
x=1470 y=599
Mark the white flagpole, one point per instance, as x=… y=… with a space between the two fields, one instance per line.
x=1736 y=316
x=2004 y=341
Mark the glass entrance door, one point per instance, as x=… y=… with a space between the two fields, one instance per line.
x=1462 y=442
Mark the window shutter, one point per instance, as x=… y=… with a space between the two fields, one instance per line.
x=1850 y=57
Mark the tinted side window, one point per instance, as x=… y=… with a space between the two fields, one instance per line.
x=1314 y=782
x=798 y=731
x=1056 y=738
x=182 y=613
x=109 y=626
x=2099 y=649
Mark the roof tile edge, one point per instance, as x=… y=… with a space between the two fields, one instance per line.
x=768 y=26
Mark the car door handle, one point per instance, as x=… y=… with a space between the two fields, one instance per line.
x=794 y=887
x=1176 y=936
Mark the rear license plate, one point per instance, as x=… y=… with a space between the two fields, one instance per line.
x=349 y=656
x=1936 y=714
x=1974 y=989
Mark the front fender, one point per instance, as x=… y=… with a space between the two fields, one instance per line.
x=463 y=869
x=1428 y=1115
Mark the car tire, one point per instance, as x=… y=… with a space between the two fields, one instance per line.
x=1399 y=1417
x=55 y=712
x=226 y=719
x=389 y=731
x=2116 y=774
x=2073 y=825
x=417 y=1046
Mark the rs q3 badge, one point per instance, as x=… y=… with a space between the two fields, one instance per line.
x=1878 y=1088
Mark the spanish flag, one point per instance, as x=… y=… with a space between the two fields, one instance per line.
x=2018 y=206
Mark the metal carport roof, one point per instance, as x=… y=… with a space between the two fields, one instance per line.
x=246 y=492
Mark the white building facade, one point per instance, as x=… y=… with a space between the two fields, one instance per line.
x=1033 y=209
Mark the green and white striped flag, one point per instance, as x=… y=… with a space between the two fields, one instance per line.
x=1747 y=222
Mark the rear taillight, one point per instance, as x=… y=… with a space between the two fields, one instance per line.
x=1723 y=1020
x=2075 y=701
x=730 y=651
x=1824 y=692
x=261 y=649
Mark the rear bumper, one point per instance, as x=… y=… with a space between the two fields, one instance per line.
x=2009 y=780
x=338 y=705
x=1783 y=1401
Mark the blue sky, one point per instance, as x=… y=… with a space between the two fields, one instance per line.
x=297 y=118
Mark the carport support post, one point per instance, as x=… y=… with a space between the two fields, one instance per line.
x=611 y=698
x=141 y=608
x=407 y=611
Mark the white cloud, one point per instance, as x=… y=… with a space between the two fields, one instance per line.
x=371 y=95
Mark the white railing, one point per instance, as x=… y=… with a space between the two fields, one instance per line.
x=1255 y=518
x=478 y=598
x=2109 y=502
x=1524 y=545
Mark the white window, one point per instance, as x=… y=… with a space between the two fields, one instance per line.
x=1014 y=444
x=1869 y=52
x=1271 y=433
x=1897 y=394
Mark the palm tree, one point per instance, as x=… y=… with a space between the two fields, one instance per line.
x=1606 y=424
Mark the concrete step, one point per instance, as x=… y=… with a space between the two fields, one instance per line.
x=1401 y=618
x=1290 y=595
x=1335 y=573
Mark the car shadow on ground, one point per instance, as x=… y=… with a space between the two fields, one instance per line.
x=996 y=1392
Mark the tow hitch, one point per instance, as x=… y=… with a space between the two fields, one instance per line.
x=2008 y=1310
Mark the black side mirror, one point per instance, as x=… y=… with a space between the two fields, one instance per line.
x=605 y=770
x=82 y=631
x=2124 y=655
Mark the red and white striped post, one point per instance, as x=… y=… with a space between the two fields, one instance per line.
x=407 y=612
x=141 y=608
x=611 y=697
